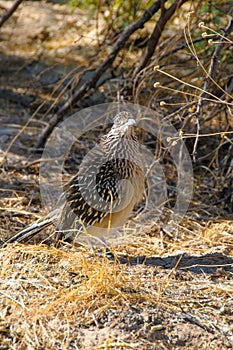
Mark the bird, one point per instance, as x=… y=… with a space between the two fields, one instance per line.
x=109 y=183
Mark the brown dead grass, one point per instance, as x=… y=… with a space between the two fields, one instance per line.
x=53 y=297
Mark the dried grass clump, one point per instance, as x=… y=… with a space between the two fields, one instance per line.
x=53 y=297
x=45 y=291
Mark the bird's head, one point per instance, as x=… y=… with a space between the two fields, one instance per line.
x=123 y=124
x=121 y=142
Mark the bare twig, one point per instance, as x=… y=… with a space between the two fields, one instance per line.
x=155 y=36
x=211 y=77
x=193 y=319
x=215 y=59
x=91 y=83
x=10 y=12
x=182 y=46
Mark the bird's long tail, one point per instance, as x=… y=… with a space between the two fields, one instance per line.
x=32 y=230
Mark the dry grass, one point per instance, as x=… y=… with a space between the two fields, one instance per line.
x=53 y=298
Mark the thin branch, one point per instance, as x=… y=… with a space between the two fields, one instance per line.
x=155 y=36
x=10 y=12
x=182 y=46
x=215 y=59
x=91 y=83
x=211 y=76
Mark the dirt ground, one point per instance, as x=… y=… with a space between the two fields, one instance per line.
x=158 y=289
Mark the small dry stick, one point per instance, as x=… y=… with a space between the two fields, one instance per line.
x=211 y=76
x=10 y=12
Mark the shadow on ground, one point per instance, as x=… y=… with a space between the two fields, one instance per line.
x=208 y=263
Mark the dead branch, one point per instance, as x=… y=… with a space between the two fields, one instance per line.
x=10 y=12
x=214 y=64
x=155 y=36
x=210 y=80
x=91 y=83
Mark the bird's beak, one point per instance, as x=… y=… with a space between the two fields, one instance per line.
x=131 y=121
x=126 y=127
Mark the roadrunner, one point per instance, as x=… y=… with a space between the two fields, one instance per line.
x=109 y=183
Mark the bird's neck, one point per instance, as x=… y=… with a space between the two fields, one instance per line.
x=124 y=152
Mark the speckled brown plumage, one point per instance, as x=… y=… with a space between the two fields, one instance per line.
x=109 y=183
